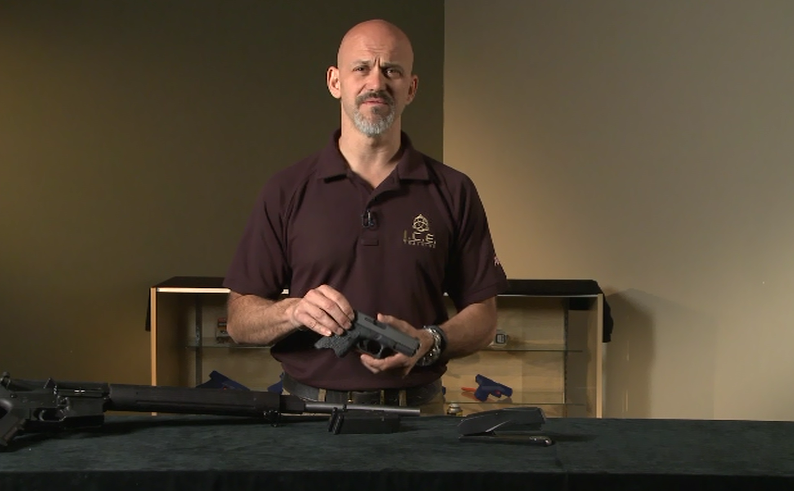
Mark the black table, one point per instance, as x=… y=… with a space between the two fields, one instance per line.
x=143 y=452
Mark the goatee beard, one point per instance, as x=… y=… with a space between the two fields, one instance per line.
x=380 y=122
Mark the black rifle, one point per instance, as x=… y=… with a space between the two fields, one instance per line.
x=33 y=406
x=370 y=336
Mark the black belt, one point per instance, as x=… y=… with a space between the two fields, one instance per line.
x=410 y=396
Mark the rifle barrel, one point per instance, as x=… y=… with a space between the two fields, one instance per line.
x=187 y=400
x=224 y=402
x=328 y=407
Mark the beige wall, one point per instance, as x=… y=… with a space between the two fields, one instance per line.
x=133 y=139
x=647 y=145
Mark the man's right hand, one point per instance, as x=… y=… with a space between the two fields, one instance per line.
x=323 y=310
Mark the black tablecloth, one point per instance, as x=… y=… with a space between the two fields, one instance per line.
x=212 y=453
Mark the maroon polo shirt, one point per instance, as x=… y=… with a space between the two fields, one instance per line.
x=394 y=250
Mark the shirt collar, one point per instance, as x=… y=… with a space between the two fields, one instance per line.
x=411 y=165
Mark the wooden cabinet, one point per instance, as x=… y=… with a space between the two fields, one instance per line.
x=548 y=348
x=187 y=316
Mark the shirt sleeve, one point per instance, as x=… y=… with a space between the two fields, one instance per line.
x=259 y=265
x=475 y=272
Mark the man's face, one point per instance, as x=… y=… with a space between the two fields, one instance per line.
x=373 y=80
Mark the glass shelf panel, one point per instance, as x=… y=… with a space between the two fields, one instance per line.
x=534 y=348
x=524 y=398
x=551 y=410
x=212 y=344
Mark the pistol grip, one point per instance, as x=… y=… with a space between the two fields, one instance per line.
x=340 y=344
x=10 y=425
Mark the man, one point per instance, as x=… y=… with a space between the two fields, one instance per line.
x=367 y=224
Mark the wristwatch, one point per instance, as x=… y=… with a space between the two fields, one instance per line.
x=439 y=344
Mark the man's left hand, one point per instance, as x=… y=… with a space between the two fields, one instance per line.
x=398 y=363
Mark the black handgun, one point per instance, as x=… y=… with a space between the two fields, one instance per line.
x=372 y=337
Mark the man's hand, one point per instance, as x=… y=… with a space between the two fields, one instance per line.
x=323 y=310
x=398 y=363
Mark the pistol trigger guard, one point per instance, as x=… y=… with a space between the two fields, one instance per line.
x=364 y=344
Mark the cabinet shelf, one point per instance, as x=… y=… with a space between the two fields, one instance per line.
x=214 y=345
x=531 y=349
x=548 y=348
x=517 y=399
x=229 y=346
x=553 y=403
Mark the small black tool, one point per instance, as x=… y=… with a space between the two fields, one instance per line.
x=514 y=424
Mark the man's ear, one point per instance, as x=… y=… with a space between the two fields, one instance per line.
x=332 y=79
x=412 y=89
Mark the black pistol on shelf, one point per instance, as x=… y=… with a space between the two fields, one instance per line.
x=372 y=337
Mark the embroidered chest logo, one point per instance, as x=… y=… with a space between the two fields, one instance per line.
x=420 y=235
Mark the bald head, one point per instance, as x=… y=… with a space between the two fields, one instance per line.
x=376 y=35
x=374 y=78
